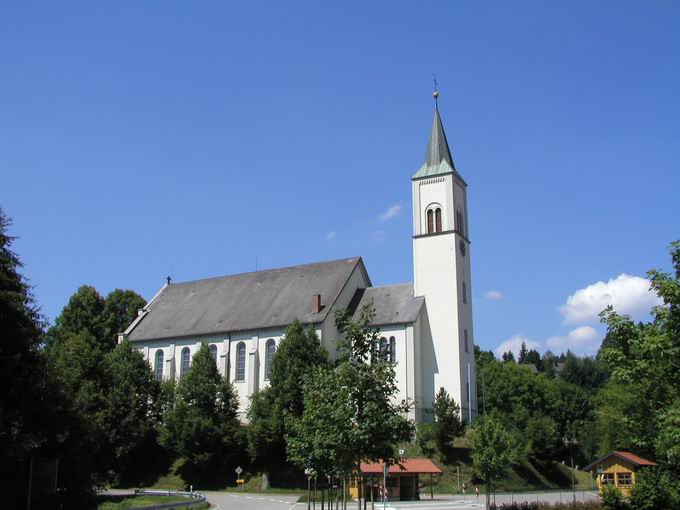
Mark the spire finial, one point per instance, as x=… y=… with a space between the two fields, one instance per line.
x=435 y=94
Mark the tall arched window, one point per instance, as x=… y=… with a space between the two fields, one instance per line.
x=393 y=350
x=465 y=337
x=270 y=349
x=241 y=362
x=438 y=220
x=158 y=367
x=464 y=293
x=213 y=353
x=382 y=348
x=430 y=221
x=186 y=360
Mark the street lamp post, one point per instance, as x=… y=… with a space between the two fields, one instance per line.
x=570 y=443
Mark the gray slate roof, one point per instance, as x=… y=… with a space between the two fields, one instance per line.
x=243 y=302
x=394 y=304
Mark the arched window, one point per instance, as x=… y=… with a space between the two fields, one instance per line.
x=465 y=337
x=213 y=353
x=158 y=367
x=270 y=349
x=186 y=360
x=393 y=350
x=438 y=220
x=382 y=348
x=464 y=293
x=241 y=362
x=430 y=224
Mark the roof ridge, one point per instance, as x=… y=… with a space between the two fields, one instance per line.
x=270 y=270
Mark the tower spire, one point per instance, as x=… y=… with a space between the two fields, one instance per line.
x=437 y=146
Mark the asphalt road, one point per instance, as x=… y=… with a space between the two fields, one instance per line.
x=229 y=500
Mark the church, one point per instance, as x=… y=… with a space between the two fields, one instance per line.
x=425 y=326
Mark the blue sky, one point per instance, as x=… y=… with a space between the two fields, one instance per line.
x=143 y=138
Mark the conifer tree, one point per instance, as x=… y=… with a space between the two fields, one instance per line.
x=202 y=426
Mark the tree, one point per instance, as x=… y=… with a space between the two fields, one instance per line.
x=447 y=423
x=523 y=351
x=493 y=449
x=585 y=372
x=349 y=415
x=297 y=354
x=83 y=313
x=103 y=318
x=655 y=489
x=119 y=310
x=131 y=411
x=202 y=426
x=508 y=356
x=645 y=357
x=24 y=399
x=534 y=358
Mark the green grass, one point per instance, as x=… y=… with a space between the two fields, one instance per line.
x=137 y=501
x=523 y=478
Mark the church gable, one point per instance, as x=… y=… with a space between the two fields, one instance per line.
x=244 y=302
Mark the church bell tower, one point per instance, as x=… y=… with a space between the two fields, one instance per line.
x=441 y=267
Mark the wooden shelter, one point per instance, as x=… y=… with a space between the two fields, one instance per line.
x=617 y=469
x=403 y=481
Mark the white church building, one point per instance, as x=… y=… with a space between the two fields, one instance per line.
x=425 y=325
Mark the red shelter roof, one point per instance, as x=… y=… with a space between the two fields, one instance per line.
x=408 y=466
x=627 y=456
x=638 y=461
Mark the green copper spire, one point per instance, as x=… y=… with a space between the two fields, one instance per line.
x=438 y=158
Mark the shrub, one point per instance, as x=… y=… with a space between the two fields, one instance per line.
x=653 y=490
x=612 y=499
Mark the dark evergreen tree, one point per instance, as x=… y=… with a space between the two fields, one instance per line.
x=203 y=426
x=297 y=354
x=131 y=411
x=523 y=351
x=447 y=423
x=23 y=403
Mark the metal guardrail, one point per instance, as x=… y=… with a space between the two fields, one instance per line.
x=193 y=499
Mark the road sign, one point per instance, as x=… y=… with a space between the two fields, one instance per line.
x=238 y=470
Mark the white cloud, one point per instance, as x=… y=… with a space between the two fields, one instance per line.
x=494 y=295
x=390 y=213
x=582 y=340
x=514 y=343
x=627 y=294
x=331 y=234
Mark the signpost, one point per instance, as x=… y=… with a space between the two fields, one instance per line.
x=239 y=481
x=386 y=470
x=309 y=472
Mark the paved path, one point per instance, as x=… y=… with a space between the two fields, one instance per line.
x=247 y=501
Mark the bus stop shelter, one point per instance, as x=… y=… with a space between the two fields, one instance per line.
x=403 y=481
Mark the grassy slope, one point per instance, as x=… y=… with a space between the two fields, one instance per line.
x=522 y=478
x=138 y=501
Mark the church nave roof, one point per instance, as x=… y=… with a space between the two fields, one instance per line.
x=244 y=302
